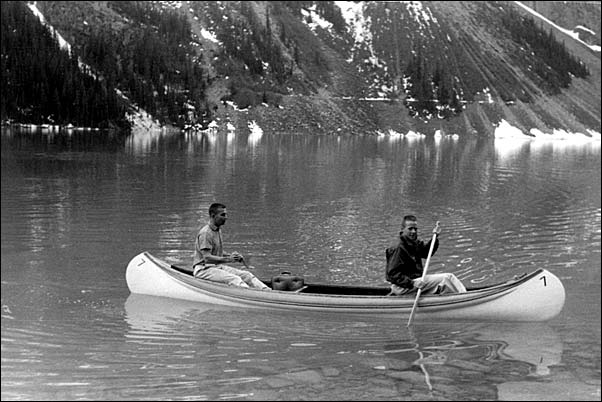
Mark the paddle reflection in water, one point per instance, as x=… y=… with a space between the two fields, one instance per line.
x=534 y=343
x=232 y=353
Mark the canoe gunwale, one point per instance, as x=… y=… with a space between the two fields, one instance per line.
x=224 y=291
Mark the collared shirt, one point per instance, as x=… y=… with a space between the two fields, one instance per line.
x=209 y=239
x=404 y=261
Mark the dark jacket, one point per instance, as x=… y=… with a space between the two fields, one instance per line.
x=404 y=261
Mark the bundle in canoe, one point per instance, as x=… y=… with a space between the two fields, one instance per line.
x=538 y=296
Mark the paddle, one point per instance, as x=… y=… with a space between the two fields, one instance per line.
x=426 y=266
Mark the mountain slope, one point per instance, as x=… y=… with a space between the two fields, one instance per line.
x=356 y=67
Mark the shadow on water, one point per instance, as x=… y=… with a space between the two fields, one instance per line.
x=308 y=352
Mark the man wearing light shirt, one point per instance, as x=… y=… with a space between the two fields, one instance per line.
x=210 y=260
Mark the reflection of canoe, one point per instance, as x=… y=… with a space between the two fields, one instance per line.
x=151 y=313
x=533 y=342
x=538 y=296
x=456 y=344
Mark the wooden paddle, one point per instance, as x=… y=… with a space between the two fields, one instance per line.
x=426 y=266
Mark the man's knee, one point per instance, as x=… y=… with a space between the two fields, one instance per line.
x=246 y=276
x=398 y=290
x=237 y=281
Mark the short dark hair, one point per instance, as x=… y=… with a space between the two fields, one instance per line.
x=408 y=218
x=214 y=207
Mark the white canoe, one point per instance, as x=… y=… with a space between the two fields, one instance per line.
x=538 y=296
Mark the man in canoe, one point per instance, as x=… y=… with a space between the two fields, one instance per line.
x=404 y=264
x=209 y=257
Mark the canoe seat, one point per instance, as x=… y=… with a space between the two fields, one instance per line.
x=286 y=281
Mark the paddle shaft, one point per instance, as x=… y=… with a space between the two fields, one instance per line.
x=242 y=259
x=426 y=266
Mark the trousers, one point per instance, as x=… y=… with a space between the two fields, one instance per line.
x=229 y=275
x=434 y=284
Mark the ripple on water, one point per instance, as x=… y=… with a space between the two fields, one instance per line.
x=322 y=207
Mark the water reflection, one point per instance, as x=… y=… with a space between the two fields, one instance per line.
x=466 y=346
x=142 y=142
x=39 y=140
x=311 y=354
x=509 y=150
x=150 y=314
x=76 y=208
x=255 y=134
x=337 y=180
x=534 y=343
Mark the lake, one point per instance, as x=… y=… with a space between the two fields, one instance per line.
x=77 y=207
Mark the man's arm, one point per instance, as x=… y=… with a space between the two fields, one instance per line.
x=214 y=259
x=425 y=247
x=397 y=268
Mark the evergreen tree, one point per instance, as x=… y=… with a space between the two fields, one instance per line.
x=553 y=63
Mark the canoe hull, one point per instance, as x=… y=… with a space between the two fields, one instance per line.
x=539 y=296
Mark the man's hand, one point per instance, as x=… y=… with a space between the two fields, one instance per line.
x=236 y=256
x=437 y=229
x=418 y=283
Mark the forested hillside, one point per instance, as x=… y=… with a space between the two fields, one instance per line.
x=43 y=84
x=302 y=65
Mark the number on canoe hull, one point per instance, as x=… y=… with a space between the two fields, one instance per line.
x=544 y=280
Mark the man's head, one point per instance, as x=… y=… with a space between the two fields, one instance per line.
x=409 y=228
x=218 y=214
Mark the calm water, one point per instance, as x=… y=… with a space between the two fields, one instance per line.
x=76 y=208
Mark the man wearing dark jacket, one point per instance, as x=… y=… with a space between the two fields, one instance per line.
x=404 y=264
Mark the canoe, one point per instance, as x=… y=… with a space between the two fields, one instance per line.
x=538 y=296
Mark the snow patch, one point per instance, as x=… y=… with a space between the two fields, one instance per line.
x=210 y=36
x=420 y=13
x=506 y=131
x=62 y=42
x=316 y=21
x=235 y=107
x=359 y=26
